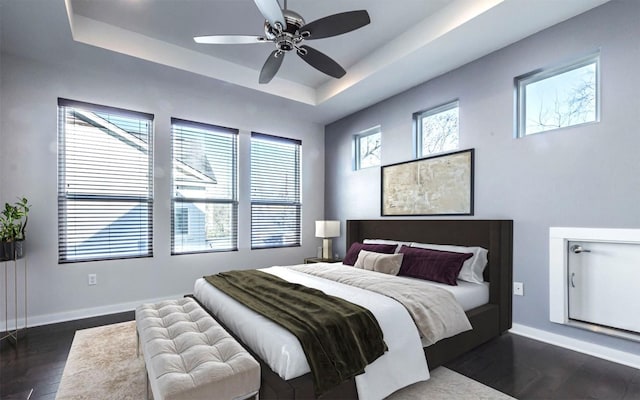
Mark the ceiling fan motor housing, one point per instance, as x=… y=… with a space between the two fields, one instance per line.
x=288 y=37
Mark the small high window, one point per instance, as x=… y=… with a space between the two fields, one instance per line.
x=559 y=97
x=367 y=146
x=436 y=129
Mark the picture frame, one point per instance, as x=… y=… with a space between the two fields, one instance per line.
x=430 y=186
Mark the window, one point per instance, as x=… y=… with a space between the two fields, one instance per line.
x=181 y=220
x=275 y=191
x=204 y=201
x=436 y=129
x=558 y=97
x=367 y=148
x=105 y=183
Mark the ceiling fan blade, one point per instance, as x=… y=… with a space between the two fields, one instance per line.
x=271 y=66
x=271 y=11
x=230 y=39
x=336 y=24
x=321 y=62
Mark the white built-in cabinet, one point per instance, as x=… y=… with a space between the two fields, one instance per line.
x=595 y=279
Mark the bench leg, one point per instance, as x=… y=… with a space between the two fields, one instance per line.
x=146 y=381
x=137 y=344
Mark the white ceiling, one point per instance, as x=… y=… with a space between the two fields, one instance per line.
x=177 y=22
x=407 y=42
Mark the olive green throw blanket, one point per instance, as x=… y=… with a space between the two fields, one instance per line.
x=339 y=338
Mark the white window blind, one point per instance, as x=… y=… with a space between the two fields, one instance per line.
x=275 y=191
x=204 y=204
x=105 y=182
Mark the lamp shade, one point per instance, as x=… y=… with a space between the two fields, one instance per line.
x=327 y=229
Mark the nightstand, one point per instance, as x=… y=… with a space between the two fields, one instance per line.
x=311 y=260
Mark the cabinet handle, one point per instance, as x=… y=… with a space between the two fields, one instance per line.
x=573 y=274
x=576 y=248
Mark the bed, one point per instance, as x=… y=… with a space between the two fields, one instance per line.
x=488 y=320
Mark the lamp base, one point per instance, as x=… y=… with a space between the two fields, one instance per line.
x=326 y=249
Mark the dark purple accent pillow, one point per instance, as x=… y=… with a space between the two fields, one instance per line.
x=433 y=265
x=354 y=250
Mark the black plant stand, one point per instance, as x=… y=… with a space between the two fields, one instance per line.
x=12 y=334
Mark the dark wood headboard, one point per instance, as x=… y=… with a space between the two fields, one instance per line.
x=494 y=235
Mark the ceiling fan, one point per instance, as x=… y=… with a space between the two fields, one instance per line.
x=288 y=30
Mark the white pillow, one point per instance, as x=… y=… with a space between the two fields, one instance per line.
x=472 y=268
x=378 y=262
x=384 y=241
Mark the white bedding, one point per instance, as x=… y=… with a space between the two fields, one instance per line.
x=402 y=365
x=469 y=295
x=435 y=311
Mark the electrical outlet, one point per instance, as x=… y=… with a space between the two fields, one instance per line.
x=92 y=279
x=518 y=288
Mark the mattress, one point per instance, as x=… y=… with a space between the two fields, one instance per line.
x=402 y=365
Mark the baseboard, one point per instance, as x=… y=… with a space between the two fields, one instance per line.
x=38 y=320
x=606 y=353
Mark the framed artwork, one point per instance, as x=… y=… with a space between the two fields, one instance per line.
x=438 y=185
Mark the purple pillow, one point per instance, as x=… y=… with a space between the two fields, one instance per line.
x=354 y=250
x=434 y=265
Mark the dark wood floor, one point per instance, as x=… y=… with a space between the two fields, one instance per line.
x=38 y=360
x=520 y=367
x=529 y=369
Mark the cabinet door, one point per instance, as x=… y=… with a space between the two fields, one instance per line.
x=604 y=284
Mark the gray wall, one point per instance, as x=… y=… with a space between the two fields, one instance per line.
x=584 y=176
x=40 y=63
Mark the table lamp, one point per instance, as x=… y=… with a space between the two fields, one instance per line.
x=327 y=230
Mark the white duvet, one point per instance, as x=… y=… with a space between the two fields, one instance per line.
x=404 y=363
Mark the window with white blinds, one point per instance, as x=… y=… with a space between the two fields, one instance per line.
x=204 y=205
x=275 y=191
x=105 y=182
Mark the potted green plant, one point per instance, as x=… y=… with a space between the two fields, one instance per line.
x=13 y=221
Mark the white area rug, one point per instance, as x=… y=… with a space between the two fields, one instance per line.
x=446 y=384
x=102 y=364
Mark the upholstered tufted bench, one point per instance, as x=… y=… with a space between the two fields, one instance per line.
x=188 y=355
